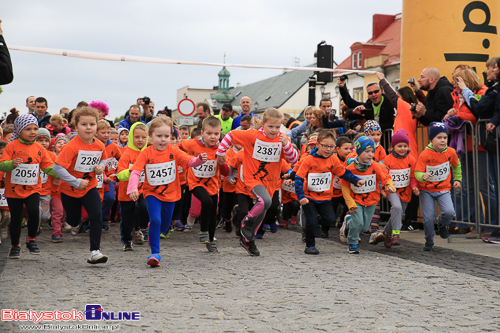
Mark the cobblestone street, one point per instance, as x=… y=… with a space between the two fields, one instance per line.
x=401 y=289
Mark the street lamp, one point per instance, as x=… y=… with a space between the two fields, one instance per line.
x=322 y=90
x=256 y=104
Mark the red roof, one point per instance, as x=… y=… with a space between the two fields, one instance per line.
x=386 y=40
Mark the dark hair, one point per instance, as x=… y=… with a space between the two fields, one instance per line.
x=408 y=95
x=325 y=99
x=246 y=117
x=82 y=104
x=14 y=113
x=3 y=144
x=342 y=140
x=41 y=100
x=206 y=107
x=184 y=128
x=195 y=132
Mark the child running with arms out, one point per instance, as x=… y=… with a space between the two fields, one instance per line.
x=401 y=167
x=263 y=151
x=22 y=160
x=77 y=165
x=362 y=200
x=314 y=185
x=433 y=174
x=161 y=184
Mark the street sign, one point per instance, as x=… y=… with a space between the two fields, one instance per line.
x=186 y=107
x=186 y=121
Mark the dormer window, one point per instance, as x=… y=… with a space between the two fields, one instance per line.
x=359 y=60
x=354 y=62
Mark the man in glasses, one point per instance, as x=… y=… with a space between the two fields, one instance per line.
x=377 y=106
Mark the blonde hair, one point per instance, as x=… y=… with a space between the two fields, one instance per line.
x=471 y=80
x=140 y=126
x=318 y=113
x=58 y=118
x=272 y=113
x=103 y=124
x=84 y=111
x=210 y=121
x=159 y=122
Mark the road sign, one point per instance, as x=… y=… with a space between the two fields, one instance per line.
x=186 y=107
x=186 y=121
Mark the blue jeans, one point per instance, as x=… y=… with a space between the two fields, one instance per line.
x=361 y=220
x=312 y=210
x=160 y=214
x=445 y=203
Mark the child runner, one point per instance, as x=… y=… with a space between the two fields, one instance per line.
x=228 y=197
x=362 y=200
x=130 y=210
x=263 y=150
x=22 y=160
x=44 y=141
x=433 y=174
x=123 y=135
x=204 y=181
x=57 y=210
x=161 y=185
x=77 y=165
x=113 y=136
x=314 y=185
x=401 y=167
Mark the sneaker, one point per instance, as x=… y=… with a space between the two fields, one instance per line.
x=259 y=236
x=228 y=226
x=57 y=239
x=178 y=226
x=127 y=246
x=15 y=252
x=494 y=240
x=250 y=247
x=247 y=232
x=203 y=236
x=67 y=227
x=154 y=260
x=187 y=228
x=190 y=220
x=395 y=240
x=137 y=237
x=311 y=250
x=76 y=230
x=165 y=235
x=442 y=230
x=284 y=224
x=96 y=257
x=344 y=230
x=266 y=227
x=294 y=220
x=376 y=238
x=33 y=247
x=273 y=227
x=428 y=246
x=212 y=247
x=353 y=249
x=407 y=226
x=387 y=240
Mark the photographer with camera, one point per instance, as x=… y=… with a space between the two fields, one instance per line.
x=378 y=107
x=438 y=100
x=134 y=115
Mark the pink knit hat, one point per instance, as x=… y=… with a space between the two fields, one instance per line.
x=400 y=136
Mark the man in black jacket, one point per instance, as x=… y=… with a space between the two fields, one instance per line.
x=438 y=100
x=6 y=73
x=377 y=107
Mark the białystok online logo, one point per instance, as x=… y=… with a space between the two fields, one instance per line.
x=92 y=312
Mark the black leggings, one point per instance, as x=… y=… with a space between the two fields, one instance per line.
x=228 y=200
x=245 y=203
x=290 y=209
x=208 y=214
x=134 y=216
x=92 y=203
x=16 y=207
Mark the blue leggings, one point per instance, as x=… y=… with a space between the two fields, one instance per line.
x=160 y=215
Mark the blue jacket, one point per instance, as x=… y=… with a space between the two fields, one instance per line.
x=44 y=121
x=125 y=123
x=236 y=121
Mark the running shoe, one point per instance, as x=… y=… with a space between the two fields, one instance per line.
x=203 y=237
x=57 y=239
x=33 y=247
x=212 y=247
x=428 y=246
x=15 y=252
x=178 y=226
x=311 y=250
x=353 y=249
x=250 y=247
x=154 y=260
x=96 y=257
x=127 y=246
x=387 y=240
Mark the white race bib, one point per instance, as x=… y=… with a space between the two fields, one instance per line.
x=142 y=177
x=112 y=164
x=369 y=186
x=3 y=199
x=438 y=172
x=336 y=183
x=100 y=180
x=267 y=151
x=319 y=182
x=206 y=170
x=25 y=174
x=87 y=160
x=288 y=187
x=161 y=173
x=400 y=178
x=44 y=177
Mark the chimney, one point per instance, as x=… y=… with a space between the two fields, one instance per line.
x=238 y=85
x=380 y=23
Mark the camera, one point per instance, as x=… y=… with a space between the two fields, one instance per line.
x=146 y=100
x=343 y=77
x=413 y=107
x=411 y=80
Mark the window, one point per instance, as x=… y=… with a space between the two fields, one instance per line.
x=360 y=65
x=357 y=94
x=354 y=60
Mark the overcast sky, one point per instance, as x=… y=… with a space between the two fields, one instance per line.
x=257 y=32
